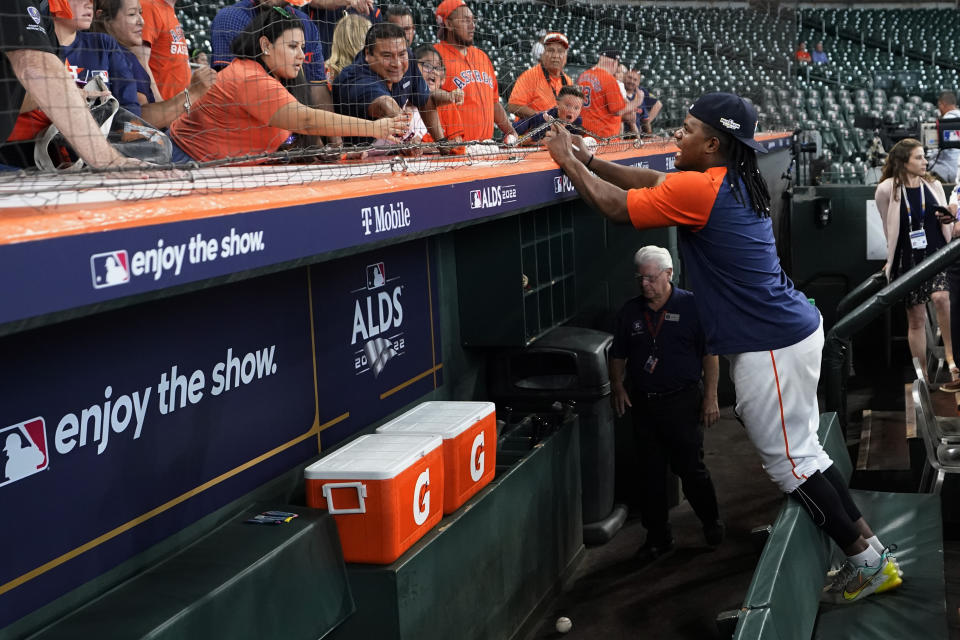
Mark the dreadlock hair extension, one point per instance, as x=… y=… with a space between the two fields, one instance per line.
x=742 y=168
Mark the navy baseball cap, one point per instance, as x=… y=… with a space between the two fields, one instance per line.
x=730 y=113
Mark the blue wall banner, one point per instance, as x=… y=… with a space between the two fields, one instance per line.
x=121 y=429
x=62 y=273
x=377 y=335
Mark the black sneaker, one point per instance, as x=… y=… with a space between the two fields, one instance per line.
x=654 y=549
x=714 y=532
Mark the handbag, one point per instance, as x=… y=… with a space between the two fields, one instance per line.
x=128 y=133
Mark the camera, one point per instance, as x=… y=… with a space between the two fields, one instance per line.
x=948 y=133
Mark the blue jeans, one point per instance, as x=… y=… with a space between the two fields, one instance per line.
x=179 y=156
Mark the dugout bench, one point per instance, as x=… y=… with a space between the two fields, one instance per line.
x=238 y=581
x=782 y=602
x=483 y=572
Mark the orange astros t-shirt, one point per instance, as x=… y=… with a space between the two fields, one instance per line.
x=233 y=118
x=169 y=50
x=602 y=102
x=474 y=74
x=532 y=89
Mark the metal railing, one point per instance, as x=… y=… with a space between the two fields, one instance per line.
x=876 y=298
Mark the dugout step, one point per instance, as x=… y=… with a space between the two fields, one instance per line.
x=782 y=601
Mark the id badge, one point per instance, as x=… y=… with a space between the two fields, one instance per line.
x=650 y=364
x=918 y=239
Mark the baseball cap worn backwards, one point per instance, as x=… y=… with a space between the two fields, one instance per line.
x=446 y=8
x=730 y=113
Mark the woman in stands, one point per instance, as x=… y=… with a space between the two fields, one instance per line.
x=250 y=112
x=906 y=198
x=348 y=38
x=123 y=20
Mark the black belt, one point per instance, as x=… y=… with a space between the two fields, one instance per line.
x=666 y=394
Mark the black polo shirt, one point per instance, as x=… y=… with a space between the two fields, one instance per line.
x=22 y=27
x=672 y=335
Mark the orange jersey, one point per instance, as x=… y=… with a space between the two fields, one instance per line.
x=602 y=102
x=474 y=74
x=451 y=123
x=533 y=90
x=169 y=50
x=233 y=117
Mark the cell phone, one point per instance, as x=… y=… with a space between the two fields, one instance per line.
x=944 y=214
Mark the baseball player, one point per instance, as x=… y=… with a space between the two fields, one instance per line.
x=750 y=310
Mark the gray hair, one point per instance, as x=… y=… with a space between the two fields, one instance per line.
x=653 y=253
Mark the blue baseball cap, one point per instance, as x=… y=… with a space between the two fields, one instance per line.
x=729 y=113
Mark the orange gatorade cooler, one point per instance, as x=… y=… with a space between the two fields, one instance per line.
x=469 y=431
x=384 y=491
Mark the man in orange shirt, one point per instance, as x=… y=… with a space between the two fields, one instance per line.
x=469 y=69
x=603 y=104
x=166 y=52
x=537 y=88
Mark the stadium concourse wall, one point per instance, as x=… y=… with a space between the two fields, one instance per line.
x=175 y=359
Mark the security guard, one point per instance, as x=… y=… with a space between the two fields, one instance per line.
x=660 y=345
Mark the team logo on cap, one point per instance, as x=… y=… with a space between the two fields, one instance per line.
x=729 y=124
x=34 y=13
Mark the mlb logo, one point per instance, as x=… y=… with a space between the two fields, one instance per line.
x=558 y=184
x=109 y=269
x=476 y=201
x=376 y=275
x=24 y=450
x=952 y=135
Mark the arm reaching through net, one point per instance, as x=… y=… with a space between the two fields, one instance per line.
x=54 y=91
x=295 y=116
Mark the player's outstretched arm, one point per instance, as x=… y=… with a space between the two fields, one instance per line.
x=608 y=199
x=617 y=174
x=626 y=177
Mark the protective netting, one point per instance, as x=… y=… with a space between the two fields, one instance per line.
x=239 y=95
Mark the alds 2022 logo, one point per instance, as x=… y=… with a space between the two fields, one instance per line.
x=377 y=321
x=492 y=197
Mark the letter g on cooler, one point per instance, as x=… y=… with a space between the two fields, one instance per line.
x=421 y=507
x=477 y=458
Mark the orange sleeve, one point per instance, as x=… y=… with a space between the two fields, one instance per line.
x=614 y=98
x=684 y=198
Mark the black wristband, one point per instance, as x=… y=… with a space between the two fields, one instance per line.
x=592 y=156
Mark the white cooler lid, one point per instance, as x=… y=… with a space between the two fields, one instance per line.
x=373 y=457
x=446 y=418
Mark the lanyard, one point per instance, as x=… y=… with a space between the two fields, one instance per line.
x=923 y=205
x=563 y=80
x=654 y=331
